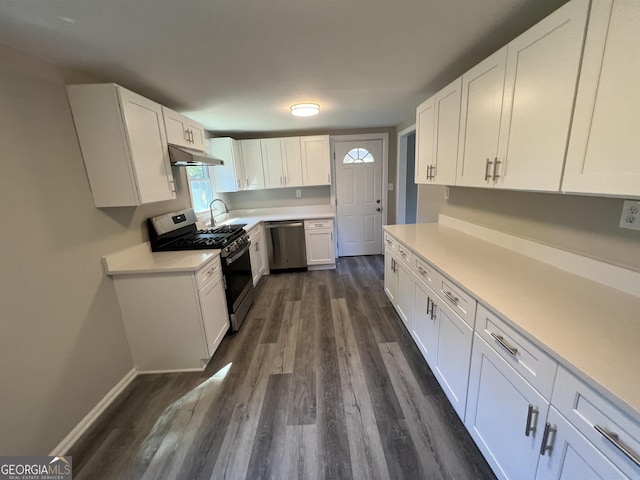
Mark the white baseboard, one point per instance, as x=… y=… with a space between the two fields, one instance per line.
x=622 y=279
x=176 y=370
x=68 y=441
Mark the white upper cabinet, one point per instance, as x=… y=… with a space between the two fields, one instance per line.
x=425 y=119
x=437 y=128
x=482 y=91
x=251 y=152
x=282 y=162
x=272 y=163
x=447 y=128
x=124 y=145
x=183 y=131
x=227 y=177
x=316 y=162
x=604 y=150
x=517 y=106
x=540 y=84
x=291 y=161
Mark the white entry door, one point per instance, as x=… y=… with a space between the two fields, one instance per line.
x=359 y=197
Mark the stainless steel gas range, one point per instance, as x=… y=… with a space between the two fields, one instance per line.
x=178 y=231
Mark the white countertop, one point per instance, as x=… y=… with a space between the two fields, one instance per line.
x=593 y=329
x=254 y=216
x=140 y=259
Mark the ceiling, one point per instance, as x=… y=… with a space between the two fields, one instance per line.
x=237 y=65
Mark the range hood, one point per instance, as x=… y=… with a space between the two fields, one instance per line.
x=187 y=157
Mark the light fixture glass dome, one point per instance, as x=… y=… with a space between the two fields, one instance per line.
x=305 y=109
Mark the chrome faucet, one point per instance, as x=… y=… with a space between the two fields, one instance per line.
x=226 y=209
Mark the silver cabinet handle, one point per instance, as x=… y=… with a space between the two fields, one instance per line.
x=285 y=179
x=191 y=136
x=429 y=301
x=451 y=297
x=422 y=271
x=544 y=446
x=495 y=169
x=403 y=253
x=615 y=440
x=530 y=413
x=500 y=339
x=487 y=167
x=433 y=310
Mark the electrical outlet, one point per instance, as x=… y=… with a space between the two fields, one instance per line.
x=298 y=193
x=446 y=193
x=630 y=217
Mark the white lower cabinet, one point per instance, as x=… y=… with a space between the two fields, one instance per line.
x=257 y=253
x=505 y=415
x=173 y=321
x=319 y=243
x=530 y=416
x=390 y=275
x=566 y=454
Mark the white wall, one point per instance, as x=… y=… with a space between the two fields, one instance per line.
x=62 y=341
x=584 y=225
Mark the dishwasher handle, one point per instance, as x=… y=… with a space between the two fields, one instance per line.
x=284 y=225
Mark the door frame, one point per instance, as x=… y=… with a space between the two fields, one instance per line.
x=384 y=136
x=401 y=177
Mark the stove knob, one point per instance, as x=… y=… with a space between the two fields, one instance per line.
x=232 y=248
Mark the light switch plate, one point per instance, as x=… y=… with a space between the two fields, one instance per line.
x=390 y=186
x=298 y=193
x=630 y=217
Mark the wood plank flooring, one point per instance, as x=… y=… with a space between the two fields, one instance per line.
x=322 y=381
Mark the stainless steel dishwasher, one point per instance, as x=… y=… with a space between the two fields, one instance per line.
x=285 y=245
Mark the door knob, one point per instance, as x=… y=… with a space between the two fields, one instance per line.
x=378 y=201
x=378 y=209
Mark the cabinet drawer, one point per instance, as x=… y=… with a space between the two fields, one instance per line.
x=320 y=223
x=390 y=242
x=426 y=272
x=460 y=302
x=207 y=273
x=535 y=366
x=595 y=417
x=404 y=254
x=538 y=368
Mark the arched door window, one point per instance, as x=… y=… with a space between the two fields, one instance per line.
x=358 y=155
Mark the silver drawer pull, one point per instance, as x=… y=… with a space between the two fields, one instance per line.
x=403 y=253
x=429 y=301
x=422 y=271
x=451 y=297
x=545 y=446
x=615 y=440
x=501 y=341
x=530 y=413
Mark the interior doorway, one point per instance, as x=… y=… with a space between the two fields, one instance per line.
x=407 y=192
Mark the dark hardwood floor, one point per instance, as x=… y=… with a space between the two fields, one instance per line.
x=322 y=381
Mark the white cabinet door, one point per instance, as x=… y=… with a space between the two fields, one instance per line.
x=251 y=152
x=604 y=150
x=319 y=245
x=227 y=177
x=540 y=85
x=567 y=455
x=148 y=145
x=390 y=276
x=425 y=322
x=452 y=355
x=215 y=318
x=447 y=128
x=425 y=121
x=291 y=161
x=196 y=135
x=482 y=91
x=272 y=162
x=176 y=127
x=404 y=298
x=316 y=162
x=256 y=255
x=505 y=415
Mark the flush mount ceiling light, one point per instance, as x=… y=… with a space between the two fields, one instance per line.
x=305 y=109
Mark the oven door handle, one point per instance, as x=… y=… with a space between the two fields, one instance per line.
x=232 y=258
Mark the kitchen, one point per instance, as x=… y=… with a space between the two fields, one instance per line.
x=68 y=319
